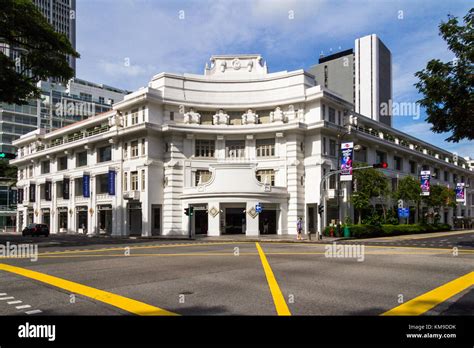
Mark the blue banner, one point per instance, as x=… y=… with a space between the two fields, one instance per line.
x=86 y=187
x=111 y=182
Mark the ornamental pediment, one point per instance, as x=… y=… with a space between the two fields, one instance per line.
x=236 y=66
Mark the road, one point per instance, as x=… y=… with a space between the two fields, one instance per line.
x=416 y=275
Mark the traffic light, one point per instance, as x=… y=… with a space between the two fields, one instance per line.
x=321 y=209
x=7 y=155
x=189 y=211
x=380 y=165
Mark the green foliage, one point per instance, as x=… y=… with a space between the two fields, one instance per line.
x=42 y=51
x=368 y=231
x=440 y=196
x=447 y=87
x=408 y=189
x=7 y=171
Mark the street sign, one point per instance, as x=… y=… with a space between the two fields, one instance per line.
x=258 y=208
x=404 y=212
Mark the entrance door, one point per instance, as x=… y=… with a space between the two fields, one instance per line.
x=135 y=218
x=156 y=230
x=105 y=221
x=267 y=221
x=200 y=221
x=234 y=220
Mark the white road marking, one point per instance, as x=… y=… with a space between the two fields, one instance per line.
x=7 y=298
x=34 y=311
x=14 y=302
x=23 y=307
x=3 y=293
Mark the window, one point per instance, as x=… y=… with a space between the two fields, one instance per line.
x=339 y=119
x=266 y=176
x=125 y=150
x=143 y=147
x=134 y=181
x=105 y=154
x=134 y=117
x=361 y=155
x=412 y=167
x=204 y=148
x=81 y=159
x=325 y=150
x=171 y=115
x=332 y=182
x=398 y=163
x=323 y=116
x=102 y=184
x=332 y=115
x=143 y=180
x=134 y=149
x=436 y=174
x=235 y=148
x=125 y=181
x=394 y=184
x=202 y=176
x=455 y=178
x=332 y=147
x=101 y=100
x=380 y=157
x=265 y=147
x=85 y=96
x=425 y=167
x=446 y=176
x=78 y=186
x=45 y=167
x=62 y=163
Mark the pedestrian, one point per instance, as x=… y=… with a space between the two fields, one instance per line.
x=265 y=226
x=299 y=228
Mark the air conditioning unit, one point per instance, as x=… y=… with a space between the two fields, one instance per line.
x=131 y=195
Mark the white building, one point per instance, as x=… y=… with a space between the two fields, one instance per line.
x=220 y=143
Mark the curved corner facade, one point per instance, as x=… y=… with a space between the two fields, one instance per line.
x=225 y=143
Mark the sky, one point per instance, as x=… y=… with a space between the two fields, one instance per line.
x=123 y=43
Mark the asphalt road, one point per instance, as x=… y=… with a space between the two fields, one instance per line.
x=91 y=276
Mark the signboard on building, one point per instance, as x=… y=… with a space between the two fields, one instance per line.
x=258 y=208
x=111 y=182
x=460 y=192
x=425 y=178
x=347 y=153
x=86 y=186
x=66 y=188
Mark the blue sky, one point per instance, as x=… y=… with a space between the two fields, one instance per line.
x=153 y=36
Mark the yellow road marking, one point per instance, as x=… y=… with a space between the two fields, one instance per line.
x=431 y=299
x=137 y=247
x=127 y=304
x=278 y=300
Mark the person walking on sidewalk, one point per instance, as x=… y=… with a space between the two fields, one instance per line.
x=299 y=228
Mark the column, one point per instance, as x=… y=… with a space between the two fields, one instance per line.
x=251 y=222
x=213 y=220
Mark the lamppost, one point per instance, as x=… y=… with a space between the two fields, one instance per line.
x=353 y=121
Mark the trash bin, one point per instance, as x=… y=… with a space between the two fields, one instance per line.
x=347 y=232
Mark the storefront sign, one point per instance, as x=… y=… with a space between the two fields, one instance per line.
x=111 y=182
x=86 y=187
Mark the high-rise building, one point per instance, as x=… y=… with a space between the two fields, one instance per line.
x=61 y=14
x=362 y=76
x=59 y=106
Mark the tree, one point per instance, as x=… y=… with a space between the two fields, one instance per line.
x=7 y=171
x=409 y=190
x=447 y=88
x=370 y=183
x=440 y=196
x=42 y=52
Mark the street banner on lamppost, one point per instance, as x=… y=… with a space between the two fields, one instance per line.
x=460 y=192
x=425 y=182
x=347 y=152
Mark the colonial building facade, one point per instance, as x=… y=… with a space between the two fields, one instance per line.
x=224 y=143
